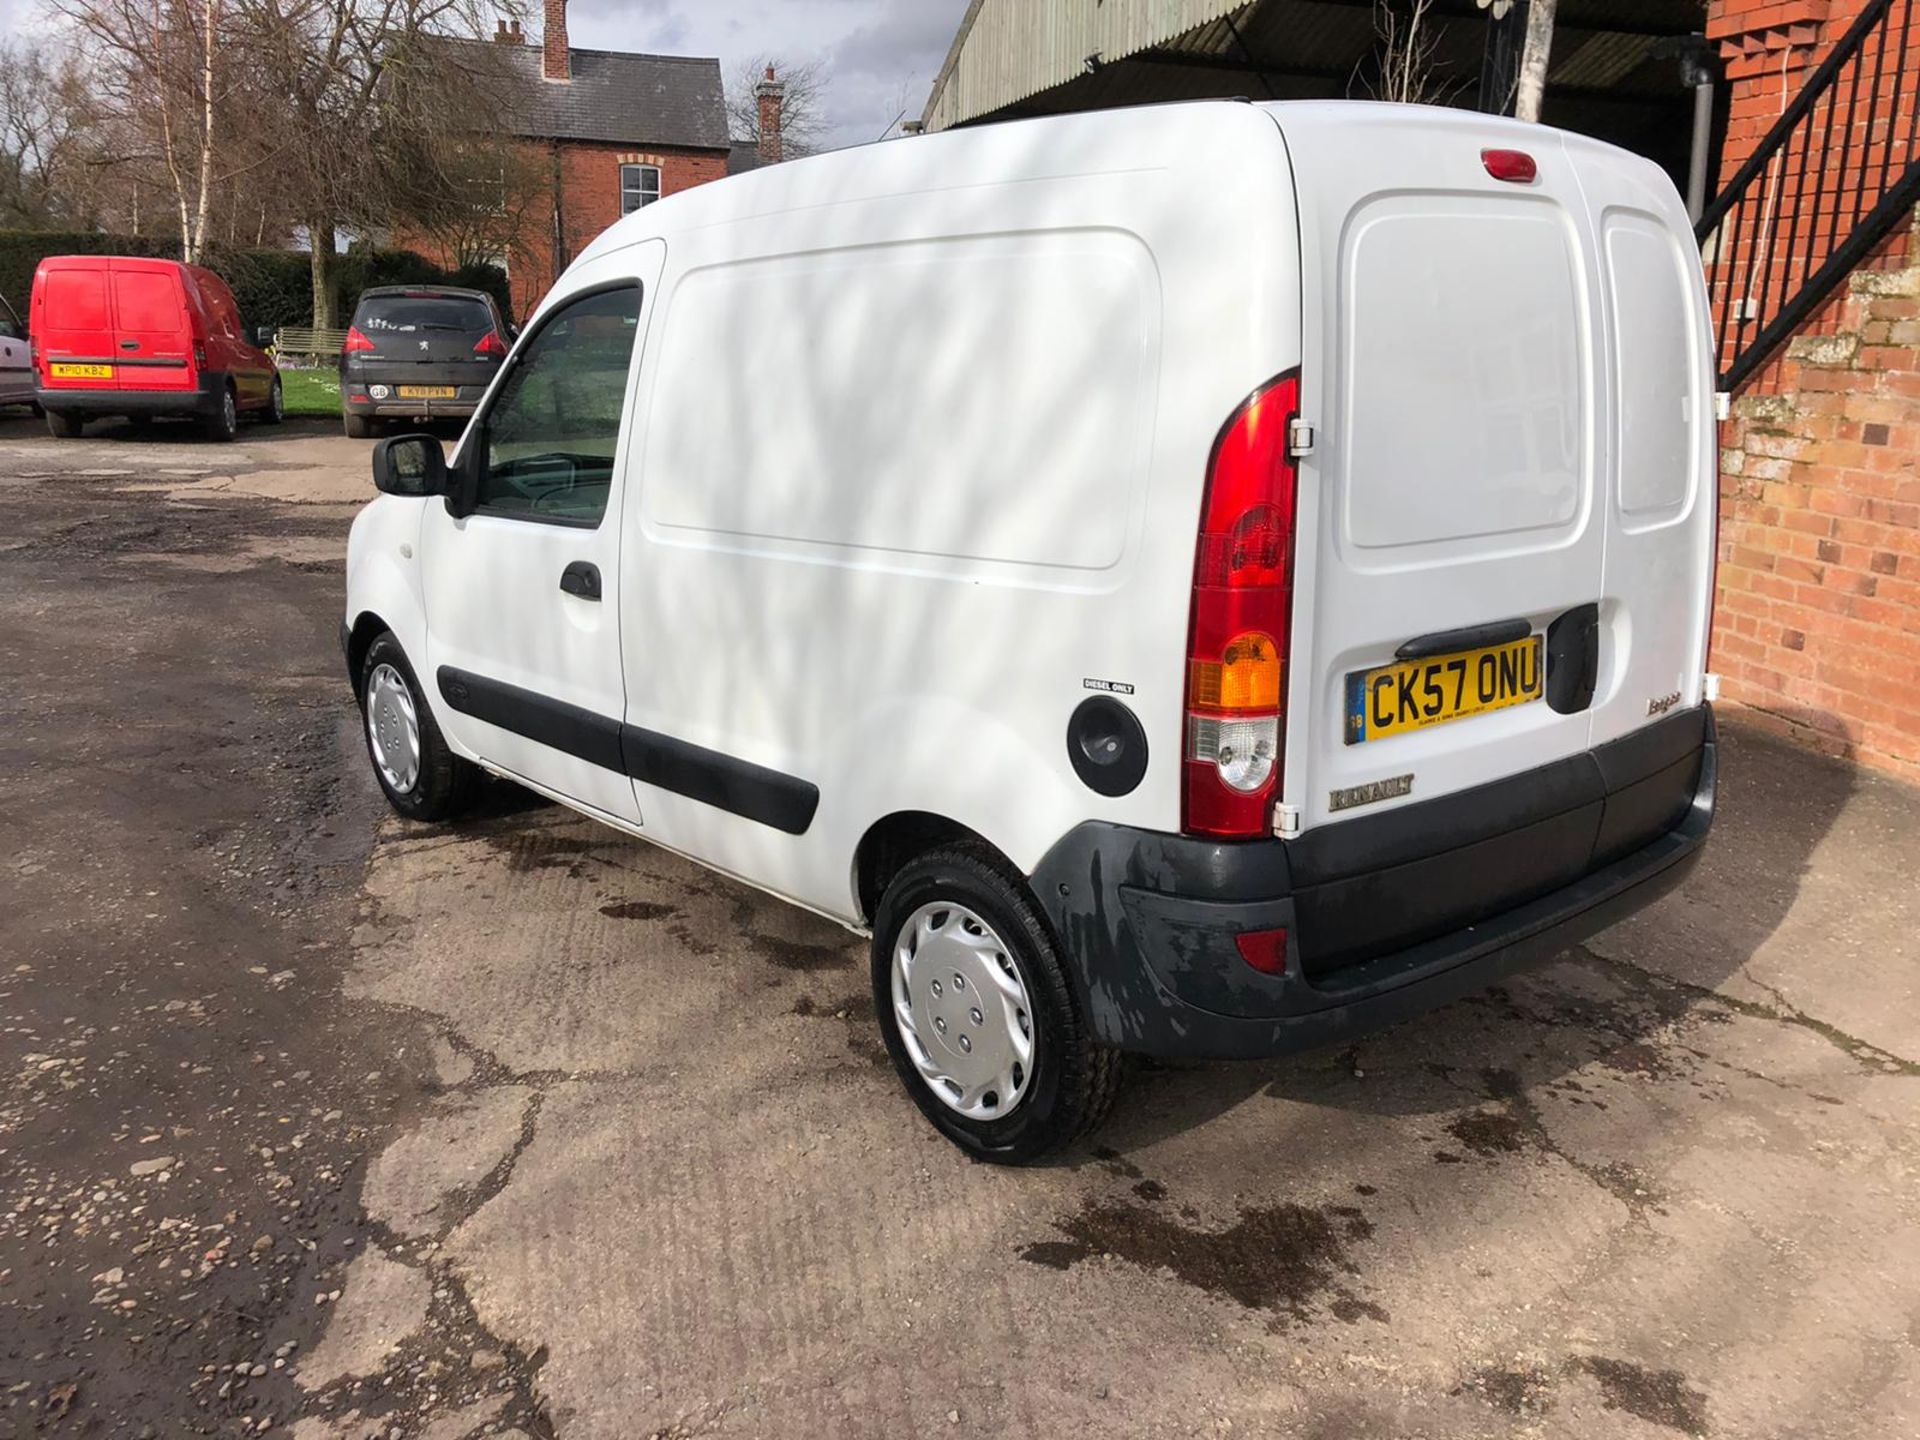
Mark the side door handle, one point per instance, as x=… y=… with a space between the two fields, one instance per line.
x=581 y=578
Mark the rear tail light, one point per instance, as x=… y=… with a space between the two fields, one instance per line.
x=1241 y=620
x=356 y=342
x=491 y=346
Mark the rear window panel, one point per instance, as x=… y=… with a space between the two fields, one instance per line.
x=402 y=315
x=147 y=300
x=77 y=300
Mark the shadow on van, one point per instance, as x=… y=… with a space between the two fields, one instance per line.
x=1611 y=1003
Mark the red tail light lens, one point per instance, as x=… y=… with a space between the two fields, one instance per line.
x=491 y=346
x=356 y=342
x=1241 y=620
x=1514 y=166
x=1264 y=950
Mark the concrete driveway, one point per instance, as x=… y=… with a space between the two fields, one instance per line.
x=548 y=1132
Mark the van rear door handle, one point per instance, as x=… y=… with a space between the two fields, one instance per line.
x=1473 y=637
x=582 y=579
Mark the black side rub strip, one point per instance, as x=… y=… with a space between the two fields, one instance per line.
x=782 y=801
x=737 y=786
x=593 y=738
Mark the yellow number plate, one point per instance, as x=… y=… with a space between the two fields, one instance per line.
x=1414 y=694
x=82 y=372
x=427 y=392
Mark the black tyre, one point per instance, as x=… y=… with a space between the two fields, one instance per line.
x=64 y=427
x=276 y=410
x=421 y=777
x=224 y=423
x=358 y=427
x=978 y=1012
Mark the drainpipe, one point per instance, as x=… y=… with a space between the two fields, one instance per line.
x=1697 y=72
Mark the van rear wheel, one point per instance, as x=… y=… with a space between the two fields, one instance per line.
x=420 y=776
x=224 y=423
x=978 y=1014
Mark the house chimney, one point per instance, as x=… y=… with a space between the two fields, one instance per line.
x=500 y=31
x=515 y=33
x=556 y=59
x=772 y=95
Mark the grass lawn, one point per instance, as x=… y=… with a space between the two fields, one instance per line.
x=311 y=392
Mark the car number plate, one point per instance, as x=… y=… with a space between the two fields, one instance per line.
x=1415 y=694
x=427 y=392
x=82 y=372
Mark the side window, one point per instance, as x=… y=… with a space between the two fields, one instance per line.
x=551 y=431
x=639 y=185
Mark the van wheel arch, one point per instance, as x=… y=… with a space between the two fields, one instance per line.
x=894 y=842
x=367 y=629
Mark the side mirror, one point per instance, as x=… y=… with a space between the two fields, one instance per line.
x=410 y=465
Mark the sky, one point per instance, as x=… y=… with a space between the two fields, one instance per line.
x=879 y=55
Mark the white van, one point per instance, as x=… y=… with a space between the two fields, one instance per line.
x=1200 y=580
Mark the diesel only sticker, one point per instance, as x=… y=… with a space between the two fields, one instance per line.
x=1109 y=687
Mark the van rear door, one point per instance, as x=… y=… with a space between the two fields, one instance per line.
x=73 y=324
x=153 y=338
x=1452 y=541
x=1658 y=440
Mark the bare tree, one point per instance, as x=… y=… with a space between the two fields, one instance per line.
x=370 y=95
x=803 y=121
x=1408 y=44
x=155 y=64
x=47 y=125
x=1533 y=60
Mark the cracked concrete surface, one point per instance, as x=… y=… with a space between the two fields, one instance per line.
x=1657 y=1187
x=593 y=1143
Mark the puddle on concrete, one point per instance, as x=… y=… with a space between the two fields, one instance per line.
x=637 y=910
x=1281 y=1258
x=1660 y=1397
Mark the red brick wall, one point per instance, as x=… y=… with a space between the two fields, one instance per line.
x=588 y=194
x=1817 y=627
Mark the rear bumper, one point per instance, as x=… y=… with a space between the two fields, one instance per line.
x=201 y=402
x=469 y=383
x=1388 y=916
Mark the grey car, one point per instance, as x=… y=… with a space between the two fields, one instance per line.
x=419 y=352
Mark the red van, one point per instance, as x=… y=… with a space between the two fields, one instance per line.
x=116 y=335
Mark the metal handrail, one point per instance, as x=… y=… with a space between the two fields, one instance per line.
x=1817 y=194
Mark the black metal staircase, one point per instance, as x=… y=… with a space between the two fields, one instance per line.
x=1833 y=178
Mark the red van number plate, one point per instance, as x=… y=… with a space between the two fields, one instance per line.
x=82 y=372
x=1415 y=694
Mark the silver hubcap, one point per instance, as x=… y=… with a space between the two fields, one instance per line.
x=229 y=417
x=962 y=1010
x=393 y=728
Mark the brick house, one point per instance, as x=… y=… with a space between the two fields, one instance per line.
x=604 y=132
x=1791 y=126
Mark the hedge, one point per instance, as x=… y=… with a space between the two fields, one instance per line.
x=273 y=287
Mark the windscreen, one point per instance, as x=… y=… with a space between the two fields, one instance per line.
x=401 y=315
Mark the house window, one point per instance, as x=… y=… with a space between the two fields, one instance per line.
x=639 y=185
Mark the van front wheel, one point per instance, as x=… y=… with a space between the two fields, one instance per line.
x=421 y=777
x=978 y=1014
